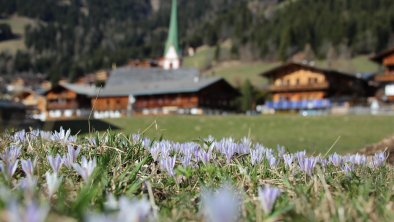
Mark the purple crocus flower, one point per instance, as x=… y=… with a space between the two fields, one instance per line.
x=307 y=165
x=20 y=136
x=256 y=156
x=28 y=183
x=35 y=212
x=92 y=141
x=222 y=205
x=168 y=164
x=377 y=160
x=204 y=156
x=46 y=135
x=86 y=168
x=288 y=159
x=358 y=159
x=335 y=159
x=300 y=155
x=267 y=197
x=34 y=134
x=186 y=160
x=136 y=137
x=64 y=136
x=227 y=147
x=55 y=162
x=28 y=167
x=70 y=158
x=155 y=152
x=347 y=168
x=272 y=160
x=11 y=154
x=9 y=168
x=32 y=212
x=281 y=150
x=133 y=210
x=53 y=182
x=244 y=146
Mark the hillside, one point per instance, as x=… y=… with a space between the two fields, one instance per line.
x=18 y=25
x=79 y=36
x=236 y=71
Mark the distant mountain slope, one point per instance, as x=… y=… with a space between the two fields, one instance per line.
x=84 y=35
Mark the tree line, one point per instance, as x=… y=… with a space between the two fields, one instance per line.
x=73 y=37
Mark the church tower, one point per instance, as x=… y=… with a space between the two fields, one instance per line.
x=172 y=56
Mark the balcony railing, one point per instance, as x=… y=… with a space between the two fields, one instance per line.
x=62 y=106
x=386 y=77
x=303 y=87
x=304 y=104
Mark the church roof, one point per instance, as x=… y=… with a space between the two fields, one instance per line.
x=172 y=39
x=152 y=81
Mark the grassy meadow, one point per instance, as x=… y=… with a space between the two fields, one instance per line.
x=315 y=134
x=18 y=25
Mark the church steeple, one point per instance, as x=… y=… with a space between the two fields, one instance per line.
x=172 y=58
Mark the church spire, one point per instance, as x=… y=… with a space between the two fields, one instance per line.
x=171 y=52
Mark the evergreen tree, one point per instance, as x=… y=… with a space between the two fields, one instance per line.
x=248 y=99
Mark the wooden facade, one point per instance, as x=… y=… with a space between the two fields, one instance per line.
x=63 y=102
x=385 y=79
x=295 y=82
x=217 y=96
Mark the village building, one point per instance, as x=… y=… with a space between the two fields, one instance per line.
x=34 y=102
x=295 y=86
x=146 y=87
x=159 y=91
x=69 y=101
x=385 y=79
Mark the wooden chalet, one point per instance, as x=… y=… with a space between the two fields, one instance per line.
x=34 y=101
x=159 y=91
x=69 y=101
x=295 y=86
x=385 y=79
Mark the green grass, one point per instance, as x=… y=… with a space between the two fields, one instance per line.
x=235 y=72
x=315 y=134
x=358 y=64
x=201 y=59
x=18 y=25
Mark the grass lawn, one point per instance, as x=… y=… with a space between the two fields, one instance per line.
x=235 y=72
x=315 y=134
x=358 y=64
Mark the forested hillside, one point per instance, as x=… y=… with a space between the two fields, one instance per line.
x=72 y=37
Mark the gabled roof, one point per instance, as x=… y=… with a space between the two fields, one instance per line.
x=152 y=81
x=79 y=89
x=86 y=90
x=293 y=65
x=380 y=56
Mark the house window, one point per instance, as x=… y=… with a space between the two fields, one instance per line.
x=297 y=81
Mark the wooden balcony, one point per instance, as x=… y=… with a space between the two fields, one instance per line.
x=62 y=106
x=386 y=77
x=304 y=87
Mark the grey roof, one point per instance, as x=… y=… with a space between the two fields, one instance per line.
x=81 y=89
x=7 y=104
x=151 y=81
